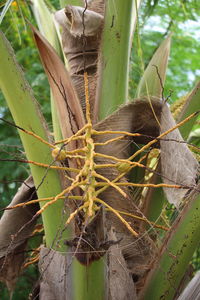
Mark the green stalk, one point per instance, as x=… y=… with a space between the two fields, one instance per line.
x=191 y=105
x=26 y=114
x=181 y=242
x=89 y=282
x=112 y=89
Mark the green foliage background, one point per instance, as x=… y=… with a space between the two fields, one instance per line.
x=157 y=19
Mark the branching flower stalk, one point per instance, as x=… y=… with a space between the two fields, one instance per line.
x=87 y=175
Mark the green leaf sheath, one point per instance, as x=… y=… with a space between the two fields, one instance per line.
x=112 y=89
x=89 y=281
x=176 y=253
x=26 y=114
x=191 y=105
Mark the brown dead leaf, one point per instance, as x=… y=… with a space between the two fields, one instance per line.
x=13 y=239
x=80 y=45
x=178 y=165
x=69 y=110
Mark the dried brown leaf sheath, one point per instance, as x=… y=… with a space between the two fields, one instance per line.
x=13 y=238
x=177 y=161
x=81 y=38
x=67 y=103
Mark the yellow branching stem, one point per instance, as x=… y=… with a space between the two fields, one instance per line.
x=163 y=134
x=118 y=215
x=74 y=137
x=72 y=215
x=52 y=167
x=86 y=177
x=38 y=229
x=143 y=219
x=125 y=133
x=110 y=183
x=109 y=141
x=65 y=191
x=86 y=171
x=23 y=204
x=144 y=185
x=34 y=259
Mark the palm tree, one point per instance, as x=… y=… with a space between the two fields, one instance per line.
x=103 y=240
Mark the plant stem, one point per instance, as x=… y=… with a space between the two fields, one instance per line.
x=89 y=281
x=176 y=253
x=26 y=114
x=112 y=89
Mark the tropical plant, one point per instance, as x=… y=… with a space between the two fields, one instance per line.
x=109 y=237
